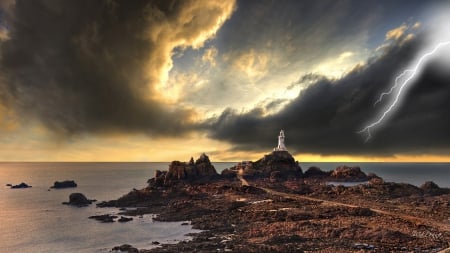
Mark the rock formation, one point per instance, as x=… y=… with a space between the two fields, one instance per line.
x=278 y=165
x=78 y=199
x=316 y=172
x=20 y=186
x=199 y=171
x=349 y=174
x=64 y=184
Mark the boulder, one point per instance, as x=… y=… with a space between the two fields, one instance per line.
x=64 y=184
x=20 y=186
x=78 y=199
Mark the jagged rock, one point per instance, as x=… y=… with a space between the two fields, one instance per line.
x=199 y=171
x=280 y=161
x=126 y=248
x=20 y=186
x=78 y=199
x=64 y=184
x=349 y=174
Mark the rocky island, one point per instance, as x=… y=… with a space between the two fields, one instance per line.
x=270 y=205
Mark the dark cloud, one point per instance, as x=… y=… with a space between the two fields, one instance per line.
x=93 y=66
x=325 y=117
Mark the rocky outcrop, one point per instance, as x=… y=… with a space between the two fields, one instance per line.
x=125 y=248
x=432 y=188
x=78 y=199
x=200 y=171
x=278 y=166
x=20 y=186
x=349 y=174
x=316 y=172
x=64 y=184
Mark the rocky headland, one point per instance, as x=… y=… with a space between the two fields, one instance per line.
x=272 y=206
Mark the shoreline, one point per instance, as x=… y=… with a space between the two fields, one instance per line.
x=299 y=214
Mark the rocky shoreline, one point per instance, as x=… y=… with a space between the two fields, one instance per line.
x=272 y=206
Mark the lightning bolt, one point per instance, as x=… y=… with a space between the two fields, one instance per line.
x=405 y=83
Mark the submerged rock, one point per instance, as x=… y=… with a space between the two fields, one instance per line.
x=64 y=184
x=124 y=219
x=104 y=218
x=20 y=186
x=78 y=199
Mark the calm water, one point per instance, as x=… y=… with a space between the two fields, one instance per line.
x=34 y=220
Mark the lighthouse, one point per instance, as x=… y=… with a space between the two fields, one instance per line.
x=281 y=146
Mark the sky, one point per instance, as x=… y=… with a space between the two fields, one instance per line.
x=119 y=80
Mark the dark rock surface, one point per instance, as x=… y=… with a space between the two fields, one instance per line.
x=104 y=218
x=432 y=188
x=124 y=219
x=126 y=248
x=20 y=186
x=78 y=199
x=316 y=172
x=64 y=184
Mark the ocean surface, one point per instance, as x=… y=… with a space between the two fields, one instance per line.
x=34 y=220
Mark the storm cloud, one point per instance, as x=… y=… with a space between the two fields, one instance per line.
x=325 y=117
x=98 y=66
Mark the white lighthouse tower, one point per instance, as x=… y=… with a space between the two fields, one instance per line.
x=281 y=146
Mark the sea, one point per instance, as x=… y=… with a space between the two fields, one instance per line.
x=35 y=220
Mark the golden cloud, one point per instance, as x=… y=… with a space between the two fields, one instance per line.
x=196 y=22
x=252 y=63
x=396 y=33
x=210 y=56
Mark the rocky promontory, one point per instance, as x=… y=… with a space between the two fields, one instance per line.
x=271 y=206
x=278 y=166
